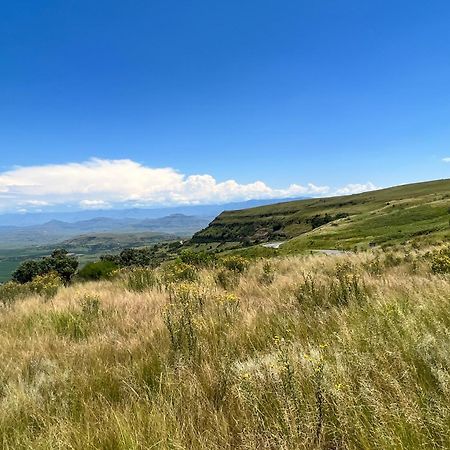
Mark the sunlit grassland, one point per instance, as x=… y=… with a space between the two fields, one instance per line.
x=314 y=352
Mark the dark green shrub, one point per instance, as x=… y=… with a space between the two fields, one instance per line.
x=174 y=245
x=99 y=270
x=61 y=262
x=27 y=271
x=140 y=257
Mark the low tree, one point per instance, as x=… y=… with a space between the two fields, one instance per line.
x=63 y=263
x=60 y=261
x=132 y=257
x=27 y=271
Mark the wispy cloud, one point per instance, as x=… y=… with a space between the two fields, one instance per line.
x=446 y=159
x=101 y=183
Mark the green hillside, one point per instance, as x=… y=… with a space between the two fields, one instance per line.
x=417 y=212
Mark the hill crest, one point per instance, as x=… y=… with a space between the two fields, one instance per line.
x=386 y=216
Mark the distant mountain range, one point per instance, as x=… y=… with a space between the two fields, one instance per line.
x=47 y=228
x=208 y=211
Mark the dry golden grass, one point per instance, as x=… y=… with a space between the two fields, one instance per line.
x=318 y=352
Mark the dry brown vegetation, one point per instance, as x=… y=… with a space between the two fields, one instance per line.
x=316 y=352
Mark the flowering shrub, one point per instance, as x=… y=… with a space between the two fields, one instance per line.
x=46 y=285
x=440 y=264
x=186 y=303
x=235 y=263
x=179 y=271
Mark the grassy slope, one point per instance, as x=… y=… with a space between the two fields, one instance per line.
x=389 y=216
x=271 y=364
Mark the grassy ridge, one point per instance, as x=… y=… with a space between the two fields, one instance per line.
x=416 y=212
x=319 y=352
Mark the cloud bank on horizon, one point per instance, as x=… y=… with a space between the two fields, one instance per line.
x=102 y=183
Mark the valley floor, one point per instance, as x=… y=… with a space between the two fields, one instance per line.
x=313 y=352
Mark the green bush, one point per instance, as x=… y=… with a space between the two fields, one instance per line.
x=132 y=257
x=348 y=286
x=99 y=270
x=201 y=259
x=392 y=260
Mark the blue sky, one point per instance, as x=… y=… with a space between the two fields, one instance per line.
x=283 y=92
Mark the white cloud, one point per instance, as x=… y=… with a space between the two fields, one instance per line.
x=94 y=204
x=35 y=203
x=355 y=188
x=446 y=159
x=100 y=183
